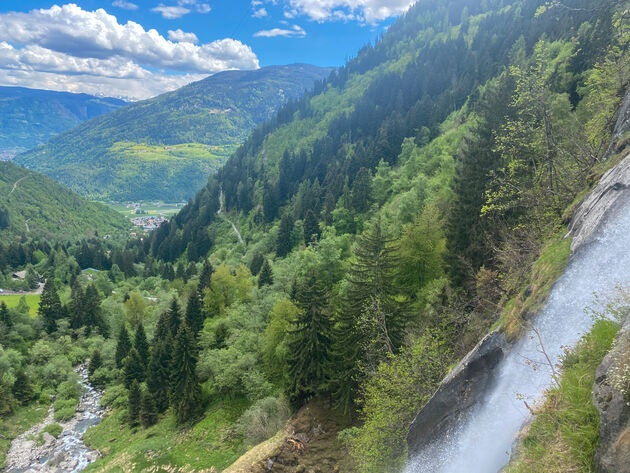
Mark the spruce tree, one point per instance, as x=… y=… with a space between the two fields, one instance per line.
x=134 y=401
x=133 y=369
x=311 y=228
x=205 y=276
x=174 y=317
x=265 y=278
x=5 y=316
x=122 y=347
x=372 y=321
x=311 y=346
x=159 y=372
x=148 y=411
x=141 y=344
x=93 y=312
x=77 y=306
x=256 y=264
x=283 y=243
x=194 y=314
x=50 y=308
x=95 y=362
x=185 y=395
x=22 y=389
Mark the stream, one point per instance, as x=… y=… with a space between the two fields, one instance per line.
x=484 y=439
x=67 y=453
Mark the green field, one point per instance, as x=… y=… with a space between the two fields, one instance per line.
x=147 y=208
x=146 y=152
x=31 y=299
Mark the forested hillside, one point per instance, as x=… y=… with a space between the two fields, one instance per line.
x=34 y=205
x=29 y=117
x=164 y=148
x=349 y=253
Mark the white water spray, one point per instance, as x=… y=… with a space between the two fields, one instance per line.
x=483 y=441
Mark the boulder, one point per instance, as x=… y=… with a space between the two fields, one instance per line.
x=458 y=393
x=613 y=453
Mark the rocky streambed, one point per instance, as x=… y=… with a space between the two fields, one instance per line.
x=67 y=453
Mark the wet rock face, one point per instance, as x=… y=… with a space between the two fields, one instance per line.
x=613 y=454
x=458 y=393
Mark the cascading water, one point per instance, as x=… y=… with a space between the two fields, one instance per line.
x=483 y=440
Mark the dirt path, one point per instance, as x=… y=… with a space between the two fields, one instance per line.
x=220 y=211
x=15 y=184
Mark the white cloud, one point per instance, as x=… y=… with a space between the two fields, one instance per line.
x=203 y=8
x=68 y=48
x=182 y=36
x=125 y=5
x=365 y=11
x=260 y=12
x=171 y=12
x=295 y=31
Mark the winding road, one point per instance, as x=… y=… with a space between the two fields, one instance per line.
x=15 y=184
x=220 y=211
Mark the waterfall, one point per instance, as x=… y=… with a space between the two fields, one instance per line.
x=483 y=440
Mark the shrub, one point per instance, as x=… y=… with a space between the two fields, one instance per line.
x=263 y=420
x=53 y=429
x=65 y=413
x=115 y=397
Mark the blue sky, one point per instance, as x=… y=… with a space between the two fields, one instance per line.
x=137 y=49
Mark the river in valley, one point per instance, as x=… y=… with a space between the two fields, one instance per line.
x=67 y=453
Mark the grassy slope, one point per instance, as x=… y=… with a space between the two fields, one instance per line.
x=564 y=436
x=219 y=111
x=23 y=419
x=166 y=447
x=50 y=209
x=32 y=300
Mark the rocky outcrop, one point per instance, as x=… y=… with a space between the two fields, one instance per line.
x=622 y=126
x=612 y=193
x=613 y=454
x=458 y=393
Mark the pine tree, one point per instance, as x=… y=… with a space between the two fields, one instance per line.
x=22 y=389
x=50 y=308
x=185 y=395
x=122 y=347
x=256 y=264
x=162 y=329
x=311 y=228
x=311 y=346
x=148 y=411
x=174 y=317
x=362 y=190
x=77 y=306
x=5 y=316
x=205 y=276
x=93 y=311
x=265 y=278
x=159 y=372
x=133 y=368
x=95 y=362
x=283 y=243
x=141 y=344
x=134 y=401
x=194 y=314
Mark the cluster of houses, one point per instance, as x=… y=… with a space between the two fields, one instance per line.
x=148 y=222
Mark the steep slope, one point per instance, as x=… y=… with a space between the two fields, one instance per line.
x=163 y=147
x=35 y=205
x=29 y=117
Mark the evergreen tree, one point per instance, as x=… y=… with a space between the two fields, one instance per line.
x=283 y=243
x=50 y=308
x=162 y=329
x=256 y=264
x=372 y=320
x=93 y=311
x=133 y=369
x=185 y=395
x=174 y=317
x=205 y=276
x=362 y=191
x=266 y=275
x=95 y=362
x=311 y=346
x=148 y=411
x=311 y=228
x=77 y=306
x=141 y=344
x=5 y=316
x=194 y=314
x=159 y=372
x=122 y=347
x=22 y=389
x=134 y=401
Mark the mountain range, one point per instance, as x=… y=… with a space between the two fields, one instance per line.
x=165 y=147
